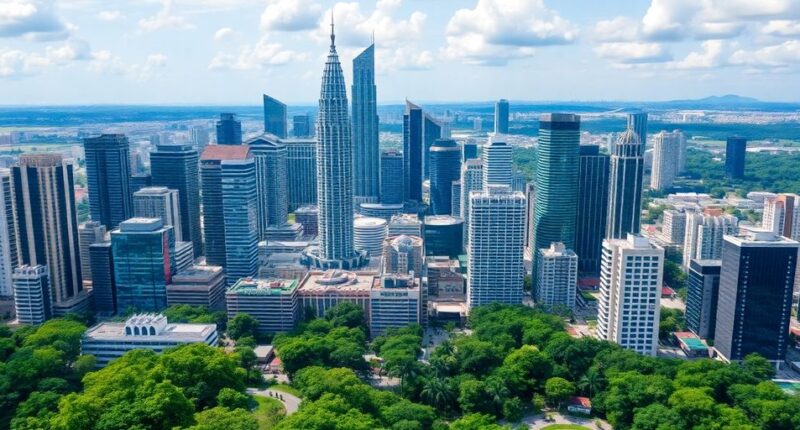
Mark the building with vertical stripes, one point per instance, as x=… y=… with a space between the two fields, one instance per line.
x=391 y=192
x=501 y=116
x=666 y=159
x=625 y=188
x=177 y=167
x=413 y=155
x=104 y=282
x=445 y=160
x=301 y=172
x=108 y=171
x=274 y=117
x=366 y=150
x=497 y=162
x=782 y=215
x=590 y=223
x=557 y=275
x=471 y=180
x=704 y=233
x=270 y=156
x=89 y=232
x=229 y=129
x=32 y=294
x=9 y=258
x=159 y=202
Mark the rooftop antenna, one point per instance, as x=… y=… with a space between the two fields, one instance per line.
x=333 y=36
x=373 y=36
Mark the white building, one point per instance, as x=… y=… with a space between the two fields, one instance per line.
x=496 y=246
x=32 y=300
x=89 y=233
x=407 y=224
x=159 y=202
x=666 y=159
x=394 y=302
x=673 y=229
x=471 y=180
x=497 y=164
x=272 y=302
x=629 y=307
x=704 y=231
x=557 y=277
x=369 y=234
x=782 y=215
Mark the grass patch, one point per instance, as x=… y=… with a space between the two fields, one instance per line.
x=268 y=412
x=565 y=427
x=588 y=296
x=286 y=389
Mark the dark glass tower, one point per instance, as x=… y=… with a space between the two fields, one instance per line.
x=108 y=171
x=637 y=121
x=735 y=152
x=592 y=208
x=104 y=285
x=431 y=132
x=702 y=296
x=301 y=126
x=274 y=117
x=445 y=158
x=625 y=188
x=177 y=167
x=366 y=152
x=391 y=177
x=229 y=130
x=501 y=117
x=412 y=152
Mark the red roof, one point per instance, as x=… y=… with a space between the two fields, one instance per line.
x=580 y=401
x=667 y=291
x=685 y=335
x=226 y=152
x=275 y=362
x=588 y=283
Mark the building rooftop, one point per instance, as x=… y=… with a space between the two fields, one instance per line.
x=760 y=237
x=395 y=281
x=263 y=287
x=152 y=191
x=195 y=274
x=113 y=331
x=141 y=224
x=340 y=281
x=438 y=220
x=226 y=152
x=369 y=222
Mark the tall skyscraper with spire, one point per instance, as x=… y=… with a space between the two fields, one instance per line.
x=334 y=172
x=625 y=188
x=366 y=153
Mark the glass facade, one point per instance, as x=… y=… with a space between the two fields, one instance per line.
x=143 y=264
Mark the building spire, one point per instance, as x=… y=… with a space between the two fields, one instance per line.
x=333 y=34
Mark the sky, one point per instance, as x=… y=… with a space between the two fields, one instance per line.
x=69 y=52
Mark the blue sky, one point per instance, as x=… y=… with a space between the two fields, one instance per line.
x=230 y=51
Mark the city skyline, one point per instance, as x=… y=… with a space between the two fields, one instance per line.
x=132 y=53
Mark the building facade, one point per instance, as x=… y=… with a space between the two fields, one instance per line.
x=89 y=233
x=735 y=154
x=366 y=151
x=782 y=215
x=413 y=157
x=108 y=171
x=229 y=130
x=497 y=162
x=160 y=202
x=557 y=281
x=198 y=286
x=273 y=303
x=666 y=159
x=625 y=189
x=104 y=282
x=395 y=301
x=704 y=233
x=9 y=258
x=445 y=159
x=391 y=177
x=177 y=167
x=673 y=229
x=501 y=116
x=301 y=169
x=591 y=220
x=444 y=235
x=32 y=294
x=274 y=117
x=702 y=297
x=403 y=255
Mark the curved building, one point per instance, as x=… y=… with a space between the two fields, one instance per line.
x=444 y=235
x=445 y=158
x=380 y=210
x=369 y=234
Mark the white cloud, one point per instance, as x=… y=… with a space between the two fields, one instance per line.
x=224 y=33
x=782 y=27
x=403 y=59
x=253 y=57
x=165 y=19
x=497 y=31
x=105 y=62
x=775 y=56
x=290 y=15
x=15 y=63
x=633 y=52
x=110 y=15
x=33 y=19
x=619 y=29
x=711 y=57
x=389 y=31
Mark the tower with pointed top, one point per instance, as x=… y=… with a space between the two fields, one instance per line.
x=334 y=172
x=366 y=153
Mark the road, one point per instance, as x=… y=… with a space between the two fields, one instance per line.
x=291 y=402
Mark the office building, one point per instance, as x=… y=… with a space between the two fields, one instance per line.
x=143 y=251
x=444 y=235
x=274 y=117
x=755 y=296
x=407 y=224
x=530 y=199
x=395 y=301
x=366 y=151
x=455 y=197
x=431 y=132
x=702 y=296
x=469 y=150
x=590 y=224
x=501 y=116
x=625 y=188
x=8 y=235
x=404 y=255
x=302 y=126
x=177 y=168
x=497 y=164
x=271 y=189
x=735 y=155
x=445 y=277
x=229 y=130
x=308 y=216
x=104 y=282
x=198 y=286
x=107 y=341
x=369 y=234
x=334 y=173
x=139 y=181
x=32 y=294
x=495 y=249
x=320 y=291
x=704 y=232
x=89 y=233
x=272 y=302
x=557 y=276
x=445 y=159
x=557 y=174
x=160 y=202
x=380 y=210
x=391 y=192
x=184 y=255
x=673 y=228
x=413 y=156
x=301 y=169
x=629 y=306
x=471 y=180
x=45 y=209
x=108 y=172
x=782 y=215
x=666 y=159
x=637 y=121
x=200 y=137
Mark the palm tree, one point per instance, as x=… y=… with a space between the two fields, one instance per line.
x=436 y=392
x=405 y=370
x=591 y=382
x=497 y=390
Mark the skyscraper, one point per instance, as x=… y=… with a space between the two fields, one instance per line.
x=391 y=177
x=782 y=215
x=469 y=150
x=431 y=132
x=108 y=172
x=455 y=197
x=497 y=162
x=274 y=117
x=501 y=116
x=366 y=152
x=412 y=152
x=334 y=172
x=272 y=179
x=200 y=137
x=495 y=250
x=735 y=154
x=88 y=233
x=104 y=283
x=162 y=203
x=625 y=188
x=229 y=130
x=301 y=126
x=177 y=167
x=301 y=172
x=702 y=297
x=557 y=170
x=629 y=306
x=666 y=159
x=704 y=232
x=590 y=223
x=557 y=276
x=637 y=121
x=8 y=235
x=755 y=296
x=445 y=158
x=45 y=206
x=471 y=180
x=32 y=294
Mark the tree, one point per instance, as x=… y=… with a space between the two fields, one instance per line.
x=656 y=417
x=513 y=410
x=558 y=390
x=692 y=405
x=224 y=418
x=242 y=325
x=233 y=399
x=62 y=334
x=592 y=382
x=472 y=397
x=247 y=359
x=476 y=422
x=759 y=367
x=346 y=314
x=436 y=392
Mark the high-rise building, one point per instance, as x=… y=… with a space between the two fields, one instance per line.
x=625 y=187
x=108 y=171
x=160 y=202
x=495 y=250
x=557 y=173
x=590 y=223
x=413 y=152
x=704 y=232
x=497 y=162
x=104 y=282
x=139 y=181
x=301 y=126
x=89 y=232
x=143 y=251
x=229 y=130
x=469 y=150
x=445 y=159
x=530 y=198
x=681 y=150
x=177 y=167
x=637 y=121
x=334 y=172
x=366 y=152
x=455 y=197
x=301 y=172
x=403 y=254
x=471 y=180
x=755 y=296
x=501 y=116
x=735 y=154
x=557 y=276
x=782 y=215
x=274 y=117
x=395 y=302
x=32 y=294
x=8 y=235
x=673 y=229
x=431 y=132
x=444 y=235
x=273 y=200
x=666 y=159
x=200 y=138
x=629 y=306
x=391 y=177
x=702 y=297
x=45 y=208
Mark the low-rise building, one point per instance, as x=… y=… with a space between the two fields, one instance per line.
x=198 y=286
x=321 y=290
x=272 y=302
x=394 y=302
